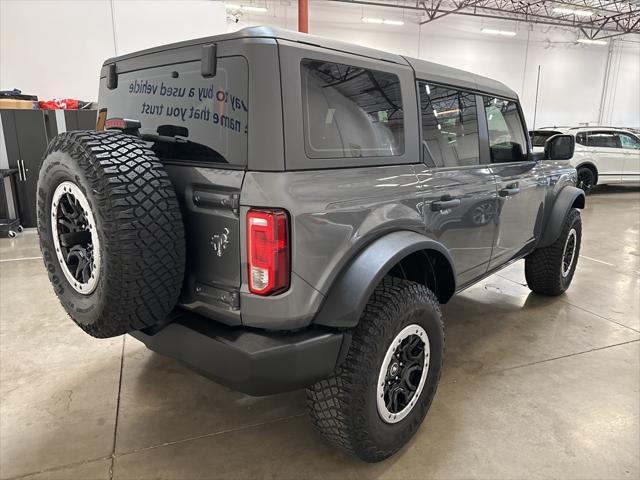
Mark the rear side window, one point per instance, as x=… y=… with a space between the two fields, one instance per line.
x=603 y=139
x=195 y=119
x=581 y=138
x=350 y=111
x=540 y=137
x=629 y=141
x=506 y=132
x=449 y=126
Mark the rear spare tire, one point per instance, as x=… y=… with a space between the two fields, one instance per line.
x=111 y=232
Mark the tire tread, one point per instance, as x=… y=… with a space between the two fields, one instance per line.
x=542 y=268
x=334 y=403
x=144 y=239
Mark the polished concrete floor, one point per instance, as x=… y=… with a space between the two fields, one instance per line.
x=533 y=387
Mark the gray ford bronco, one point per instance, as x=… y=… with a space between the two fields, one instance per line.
x=283 y=211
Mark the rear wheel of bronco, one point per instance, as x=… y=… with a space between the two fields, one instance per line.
x=549 y=270
x=376 y=400
x=111 y=232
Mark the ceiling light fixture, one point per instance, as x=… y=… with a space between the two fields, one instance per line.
x=380 y=21
x=246 y=8
x=506 y=33
x=448 y=112
x=571 y=11
x=591 y=42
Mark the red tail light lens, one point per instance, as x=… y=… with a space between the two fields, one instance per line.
x=268 y=251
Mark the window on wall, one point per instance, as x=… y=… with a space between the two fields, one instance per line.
x=350 y=111
x=449 y=126
x=506 y=132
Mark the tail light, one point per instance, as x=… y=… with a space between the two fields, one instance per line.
x=268 y=251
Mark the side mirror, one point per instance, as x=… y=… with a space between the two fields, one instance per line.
x=559 y=147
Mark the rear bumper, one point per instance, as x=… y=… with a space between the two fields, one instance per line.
x=251 y=361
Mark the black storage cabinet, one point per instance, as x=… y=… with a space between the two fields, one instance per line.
x=25 y=135
x=25 y=139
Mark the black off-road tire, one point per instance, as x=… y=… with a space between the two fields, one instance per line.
x=139 y=228
x=343 y=407
x=543 y=268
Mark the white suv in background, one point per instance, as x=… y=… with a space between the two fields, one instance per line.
x=603 y=155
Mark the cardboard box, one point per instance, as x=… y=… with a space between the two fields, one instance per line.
x=7 y=103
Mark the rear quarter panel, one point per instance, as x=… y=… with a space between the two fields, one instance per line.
x=334 y=213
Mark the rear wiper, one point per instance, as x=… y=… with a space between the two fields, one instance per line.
x=154 y=137
x=167 y=134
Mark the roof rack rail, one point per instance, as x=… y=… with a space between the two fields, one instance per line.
x=600 y=126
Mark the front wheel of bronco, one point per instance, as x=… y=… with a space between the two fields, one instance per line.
x=549 y=270
x=377 y=398
x=111 y=231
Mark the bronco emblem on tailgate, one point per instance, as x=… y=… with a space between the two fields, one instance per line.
x=220 y=242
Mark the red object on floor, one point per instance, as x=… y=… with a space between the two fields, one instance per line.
x=59 y=104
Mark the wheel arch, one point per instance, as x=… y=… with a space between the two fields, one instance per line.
x=569 y=197
x=591 y=166
x=404 y=254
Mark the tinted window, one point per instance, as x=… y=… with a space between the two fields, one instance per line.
x=350 y=111
x=449 y=126
x=603 y=139
x=207 y=116
x=581 y=138
x=506 y=131
x=539 y=137
x=629 y=141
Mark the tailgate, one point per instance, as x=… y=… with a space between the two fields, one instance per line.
x=196 y=123
x=210 y=205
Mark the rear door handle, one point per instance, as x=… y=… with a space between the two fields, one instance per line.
x=445 y=203
x=21 y=175
x=24 y=170
x=510 y=190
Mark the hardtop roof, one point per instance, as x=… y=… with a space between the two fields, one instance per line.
x=452 y=76
x=426 y=70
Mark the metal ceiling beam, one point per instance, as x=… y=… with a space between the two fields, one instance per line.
x=611 y=17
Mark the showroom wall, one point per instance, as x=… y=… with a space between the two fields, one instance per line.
x=55 y=48
x=66 y=42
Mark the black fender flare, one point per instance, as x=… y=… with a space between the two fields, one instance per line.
x=353 y=287
x=568 y=198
